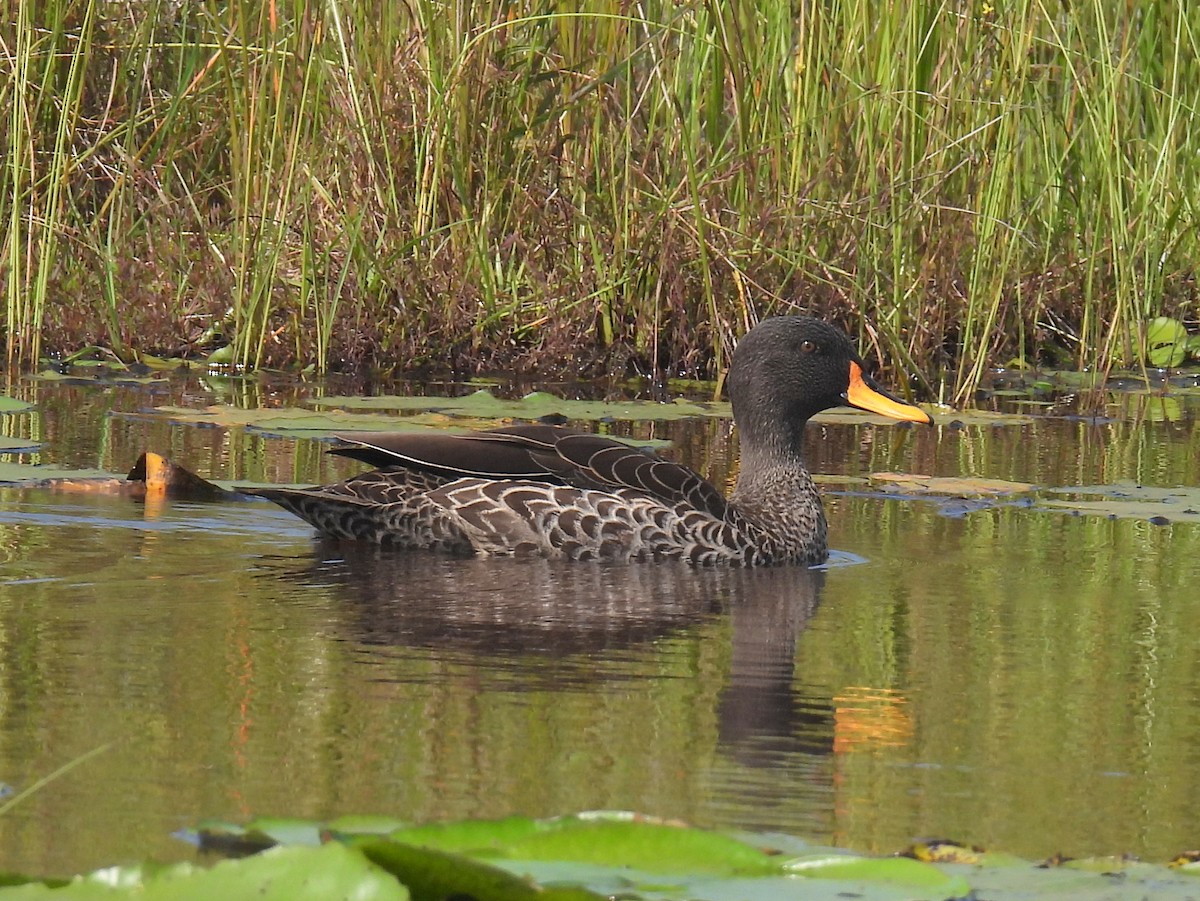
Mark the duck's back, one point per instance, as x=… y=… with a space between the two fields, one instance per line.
x=526 y=490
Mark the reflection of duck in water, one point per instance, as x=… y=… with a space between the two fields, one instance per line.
x=523 y=625
x=541 y=489
x=533 y=611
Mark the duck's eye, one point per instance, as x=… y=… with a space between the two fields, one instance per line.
x=808 y=347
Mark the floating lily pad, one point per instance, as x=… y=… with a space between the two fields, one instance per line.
x=26 y=474
x=1166 y=342
x=10 y=445
x=1126 y=500
x=591 y=847
x=963 y=486
x=644 y=845
x=959 y=418
x=101 y=375
x=889 y=870
x=279 y=874
x=434 y=875
x=286 y=421
x=612 y=839
x=850 y=416
x=595 y=855
x=483 y=404
x=297 y=423
x=12 y=405
x=163 y=363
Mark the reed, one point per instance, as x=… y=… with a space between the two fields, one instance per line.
x=487 y=183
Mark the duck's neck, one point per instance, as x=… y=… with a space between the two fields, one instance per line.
x=776 y=493
x=769 y=470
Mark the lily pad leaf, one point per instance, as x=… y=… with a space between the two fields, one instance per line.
x=648 y=846
x=611 y=839
x=11 y=445
x=889 y=870
x=949 y=486
x=483 y=404
x=1166 y=342
x=281 y=421
x=12 y=405
x=100 y=376
x=432 y=875
x=297 y=423
x=486 y=837
x=27 y=474
x=365 y=824
x=1126 y=500
x=280 y=874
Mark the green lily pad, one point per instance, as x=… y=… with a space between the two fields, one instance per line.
x=483 y=404
x=433 y=875
x=850 y=416
x=12 y=405
x=948 y=486
x=595 y=855
x=489 y=837
x=1166 y=342
x=1129 y=882
x=10 y=444
x=979 y=418
x=888 y=870
x=285 y=421
x=162 y=363
x=648 y=846
x=103 y=374
x=222 y=356
x=365 y=824
x=285 y=830
x=24 y=473
x=611 y=839
x=297 y=423
x=1127 y=500
x=280 y=874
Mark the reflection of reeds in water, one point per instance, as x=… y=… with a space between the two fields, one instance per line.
x=408 y=183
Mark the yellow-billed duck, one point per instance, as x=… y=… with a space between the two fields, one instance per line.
x=558 y=492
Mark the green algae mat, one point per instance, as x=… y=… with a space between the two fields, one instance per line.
x=586 y=857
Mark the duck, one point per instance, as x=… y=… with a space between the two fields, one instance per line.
x=540 y=489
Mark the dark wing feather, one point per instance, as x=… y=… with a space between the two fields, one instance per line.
x=608 y=463
x=496 y=454
x=542 y=453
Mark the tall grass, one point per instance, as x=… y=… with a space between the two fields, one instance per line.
x=393 y=184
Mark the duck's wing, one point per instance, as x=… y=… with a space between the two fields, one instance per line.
x=541 y=453
x=496 y=454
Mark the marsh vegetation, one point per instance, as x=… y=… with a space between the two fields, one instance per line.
x=596 y=184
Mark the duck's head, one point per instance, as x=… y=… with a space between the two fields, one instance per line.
x=788 y=368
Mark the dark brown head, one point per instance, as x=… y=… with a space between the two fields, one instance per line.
x=788 y=368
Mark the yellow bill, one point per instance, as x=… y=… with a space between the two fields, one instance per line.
x=866 y=395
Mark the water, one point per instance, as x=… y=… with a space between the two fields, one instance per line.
x=1011 y=677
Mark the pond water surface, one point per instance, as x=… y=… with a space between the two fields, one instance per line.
x=1003 y=675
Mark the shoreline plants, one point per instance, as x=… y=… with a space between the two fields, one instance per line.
x=596 y=184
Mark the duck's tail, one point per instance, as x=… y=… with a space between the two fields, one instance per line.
x=411 y=522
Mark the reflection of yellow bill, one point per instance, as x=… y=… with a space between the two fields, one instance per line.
x=865 y=396
x=865 y=718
